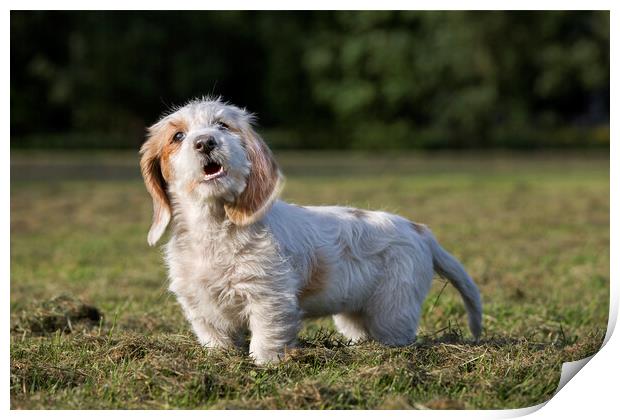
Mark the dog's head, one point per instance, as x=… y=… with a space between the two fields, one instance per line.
x=208 y=150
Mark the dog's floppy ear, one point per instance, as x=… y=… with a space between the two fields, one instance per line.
x=156 y=186
x=263 y=183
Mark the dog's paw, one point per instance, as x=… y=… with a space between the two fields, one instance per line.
x=266 y=357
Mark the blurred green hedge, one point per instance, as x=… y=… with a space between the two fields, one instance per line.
x=362 y=80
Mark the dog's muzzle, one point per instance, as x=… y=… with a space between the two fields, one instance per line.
x=211 y=168
x=205 y=144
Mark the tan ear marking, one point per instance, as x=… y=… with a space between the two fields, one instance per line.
x=263 y=185
x=155 y=169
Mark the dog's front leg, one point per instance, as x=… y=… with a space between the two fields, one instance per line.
x=210 y=336
x=274 y=324
x=211 y=328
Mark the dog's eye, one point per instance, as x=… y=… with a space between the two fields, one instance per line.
x=178 y=136
x=223 y=125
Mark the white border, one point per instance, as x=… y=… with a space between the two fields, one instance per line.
x=593 y=393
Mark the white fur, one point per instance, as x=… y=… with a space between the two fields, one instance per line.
x=371 y=270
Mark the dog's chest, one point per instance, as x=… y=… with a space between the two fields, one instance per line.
x=220 y=271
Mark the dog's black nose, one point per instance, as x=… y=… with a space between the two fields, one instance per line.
x=204 y=144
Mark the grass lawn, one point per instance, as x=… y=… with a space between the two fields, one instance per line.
x=93 y=326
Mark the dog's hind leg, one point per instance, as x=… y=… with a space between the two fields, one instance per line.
x=393 y=311
x=394 y=328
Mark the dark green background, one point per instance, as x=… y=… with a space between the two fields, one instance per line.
x=365 y=80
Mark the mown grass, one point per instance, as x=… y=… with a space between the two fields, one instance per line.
x=532 y=229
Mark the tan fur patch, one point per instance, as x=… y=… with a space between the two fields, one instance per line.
x=160 y=144
x=317 y=281
x=169 y=146
x=420 y=228
x=358 y=213
x=192 y=185
x=263 y=185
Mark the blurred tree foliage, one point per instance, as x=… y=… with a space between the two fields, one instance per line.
x=375 y=79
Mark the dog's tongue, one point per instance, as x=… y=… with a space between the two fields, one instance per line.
x=211 y=168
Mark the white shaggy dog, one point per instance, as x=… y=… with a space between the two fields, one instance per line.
x=241 y=259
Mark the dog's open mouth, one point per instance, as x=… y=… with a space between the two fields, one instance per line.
x=212 y=170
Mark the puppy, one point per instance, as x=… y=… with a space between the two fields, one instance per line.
x=241 y=259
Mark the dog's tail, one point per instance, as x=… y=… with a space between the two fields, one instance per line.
x=449 y=267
